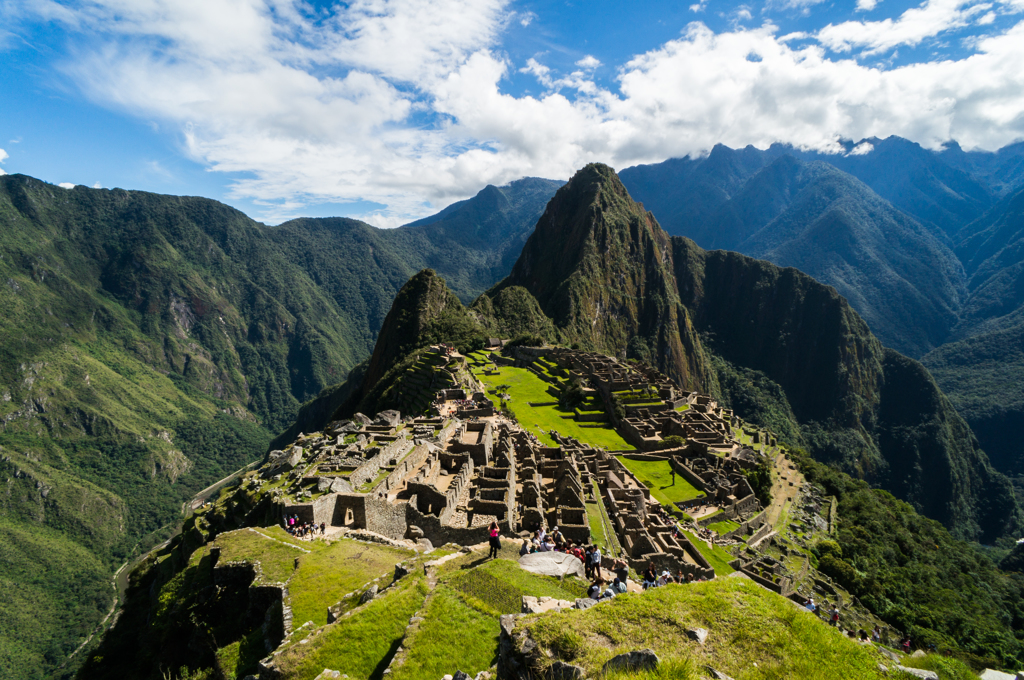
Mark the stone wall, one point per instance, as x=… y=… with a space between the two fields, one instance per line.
x=439 y=533
x=369 y=470
x=349 y=510
x=320 y=510
x=386 y=518
x=411 y=462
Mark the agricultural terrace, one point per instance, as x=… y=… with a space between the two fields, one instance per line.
x=525 y=388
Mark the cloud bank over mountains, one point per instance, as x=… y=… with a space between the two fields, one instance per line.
x=409 y=103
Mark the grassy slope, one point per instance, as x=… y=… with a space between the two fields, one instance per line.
x=454 y=636
x=360 y=645
x=746 y=624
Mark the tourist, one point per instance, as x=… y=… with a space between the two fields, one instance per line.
x=665 y=579
x=595 y=589
x=862 y=635
x=323 y=528
x=559 y=540
x=650 y=576
x=495 y=540
x=876 y=635
x=595 y=557
x=621 y=569
x=525 y=549
x=588 y=564
x=834 y=621
x=811 y=607
x=546 y=545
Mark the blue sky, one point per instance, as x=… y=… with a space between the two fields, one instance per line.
x=388 y=110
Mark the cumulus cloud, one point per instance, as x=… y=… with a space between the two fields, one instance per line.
x=402 y=102
x=66 y=185
x=3 y=157
x=867 y=5
x=911 y=28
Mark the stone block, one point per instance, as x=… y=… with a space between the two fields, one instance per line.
x=369 y=594
x=390 y=418
x=632 y=662
x=919 y=673
x=361 y=419
x=566 y=671
x=716 y=675
x=698 y=635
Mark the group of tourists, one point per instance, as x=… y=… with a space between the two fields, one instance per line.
x=651 y=579
x=833 y=616
x=300 y=529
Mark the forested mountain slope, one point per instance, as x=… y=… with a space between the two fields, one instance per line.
x=152 y=344
x=925 y=246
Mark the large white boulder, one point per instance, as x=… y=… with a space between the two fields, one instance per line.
x=552 y=564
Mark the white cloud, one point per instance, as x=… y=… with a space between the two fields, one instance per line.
x=700 y=6
x=867 y=5
x=526 y=19
x=862 y=149
x=66 y=185
x=3 y=157
x=799 y=4
x=401 y=103
x=97 y=185
x=911 y=28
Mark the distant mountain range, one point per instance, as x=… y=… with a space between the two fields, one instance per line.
x=925 y=245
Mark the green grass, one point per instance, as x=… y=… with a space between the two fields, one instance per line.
x=717 y=557
x=724 y=526
x=325 y=575
x=499 y=586
x=453 y=637
x=360 y=645
x=276 y=559
x=241 y=657
x=747 y=625
x=526 y=387
x=656 y=476
x=948 y=668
